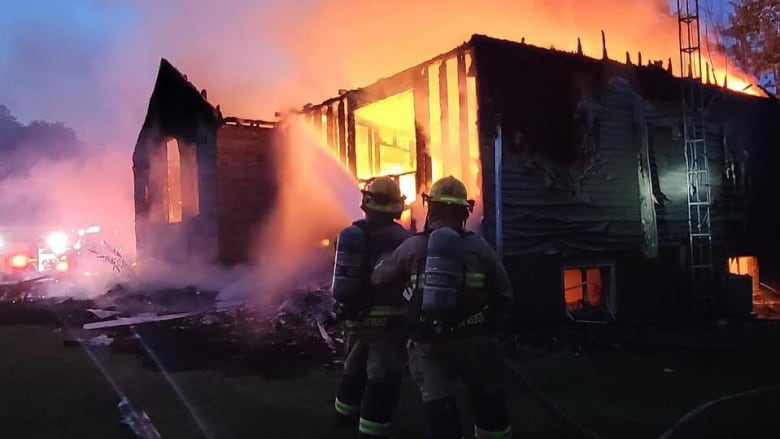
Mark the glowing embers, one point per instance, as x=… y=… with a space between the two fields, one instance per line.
x=385 y=137
x=587 y=292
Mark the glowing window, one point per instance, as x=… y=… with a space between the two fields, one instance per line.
x=583 y=287
x=173 y=181
x=385 y=136
x=746 y=265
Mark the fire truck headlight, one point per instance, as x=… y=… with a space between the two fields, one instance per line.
x=19 y=261
x=62 y=266
x=57 y=242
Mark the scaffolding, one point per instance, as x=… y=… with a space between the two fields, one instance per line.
x=695 y=148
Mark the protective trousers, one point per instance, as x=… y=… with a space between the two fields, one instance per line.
x=436 y=367
x=371 y=383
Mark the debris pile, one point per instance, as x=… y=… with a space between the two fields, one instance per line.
x=189 y=328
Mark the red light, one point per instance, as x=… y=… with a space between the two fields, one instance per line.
x=62 y=266
x=19 y=261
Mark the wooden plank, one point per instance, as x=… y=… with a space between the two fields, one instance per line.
x=351 y=153
x=422 y=131
x=463 y=108
x=444 y=104
x=331 y=128
x=342 y=120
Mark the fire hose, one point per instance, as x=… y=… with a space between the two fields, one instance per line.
x=540 y=397
x=700 y=409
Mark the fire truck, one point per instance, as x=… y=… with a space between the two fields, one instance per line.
x=37 y=252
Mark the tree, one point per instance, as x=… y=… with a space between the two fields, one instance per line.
x=10 y=129
x=751 y=36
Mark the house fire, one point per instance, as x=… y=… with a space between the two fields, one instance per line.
x=577 y=164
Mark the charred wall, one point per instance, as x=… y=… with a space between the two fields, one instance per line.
x=246 y=187
x=569 y=151
x=202 y=182
x=593 y=169
x=177 y=111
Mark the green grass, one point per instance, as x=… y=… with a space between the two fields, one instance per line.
x=48 y=390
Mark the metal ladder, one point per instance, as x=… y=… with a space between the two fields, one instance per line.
x=697 y=165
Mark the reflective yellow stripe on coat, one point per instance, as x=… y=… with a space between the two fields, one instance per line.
x=472 y=279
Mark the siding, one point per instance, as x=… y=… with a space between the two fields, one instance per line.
x=668 y=160
x=589 y=205
x=246 y=187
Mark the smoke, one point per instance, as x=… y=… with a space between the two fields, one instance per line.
x=317 y=198
x=259 y=58
x=91 y=188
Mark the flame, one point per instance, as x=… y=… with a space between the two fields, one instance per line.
x=746 y=265
x=326 y=53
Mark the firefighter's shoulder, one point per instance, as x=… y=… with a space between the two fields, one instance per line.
x=477 y=243
x=415 y=243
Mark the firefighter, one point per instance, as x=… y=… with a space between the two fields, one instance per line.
x=373 y=318
x=461 y=298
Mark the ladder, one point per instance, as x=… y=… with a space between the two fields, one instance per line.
x=695 y=148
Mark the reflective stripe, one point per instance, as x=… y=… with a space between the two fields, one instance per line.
x=386 y=311
x=346 y=409
x=475 y=280
x=486 y=434
x=472 y=280
x=374 y=428
x=446 y=199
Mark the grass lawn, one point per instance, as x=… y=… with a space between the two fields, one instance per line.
x=48 y=390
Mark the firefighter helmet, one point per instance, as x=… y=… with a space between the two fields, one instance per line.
x=449 y=190
x=382 y=194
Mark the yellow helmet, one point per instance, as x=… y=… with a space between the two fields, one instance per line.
x=382 y=194
x=449 y=190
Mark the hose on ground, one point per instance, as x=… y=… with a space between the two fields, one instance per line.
x=698 y=410
x=549 y=404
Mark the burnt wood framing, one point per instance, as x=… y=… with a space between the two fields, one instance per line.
x=351 y=153
x=343 y=128
x=422 y=128
x=463 y=112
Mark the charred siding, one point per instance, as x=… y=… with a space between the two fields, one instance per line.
x=570 y=157
x=246 y=187
x=672 y=191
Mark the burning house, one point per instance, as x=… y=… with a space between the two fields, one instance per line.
x=577 y=164
x=197 y=176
